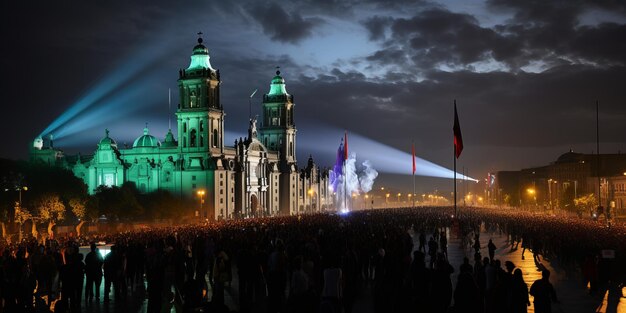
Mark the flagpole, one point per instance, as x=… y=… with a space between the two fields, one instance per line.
x=454 y=157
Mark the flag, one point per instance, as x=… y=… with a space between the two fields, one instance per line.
x=413 y=151
x=345 y=146
x=458 y=139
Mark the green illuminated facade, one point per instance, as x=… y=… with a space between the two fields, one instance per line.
x=258 y=176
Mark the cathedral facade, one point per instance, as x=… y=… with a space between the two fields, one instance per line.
x=258 y=176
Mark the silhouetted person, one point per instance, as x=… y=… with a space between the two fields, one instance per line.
x=422 y=240
x=518 y=294
x=421 y=281
x=112 y=269
x=544 y=293
x=93 y=271
x=432 y=251
x=442 y=285
x=277 y=278
x=466 y=294
x=221 y=275
x=492 y=249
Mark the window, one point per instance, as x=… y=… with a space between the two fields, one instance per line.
x=193 y=186
x=221 y=175
x=221 y=183
x=192 y=138
x=201 y=125
x=108 y=180
x=193 y=177
x=192 y=99
x=221 y=191
x=184 y=127
x=215 y=138
x=221 y=200
x=201 y=140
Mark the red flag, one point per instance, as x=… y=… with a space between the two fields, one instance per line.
x=345 y=146
x=413 y=150
x=458 y=139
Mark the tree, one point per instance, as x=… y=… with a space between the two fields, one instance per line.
x=79 y=208
x=50 y=209
x=585 y=202
x=21 y=216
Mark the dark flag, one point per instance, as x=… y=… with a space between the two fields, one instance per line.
x=413 y=151
x=458 y=139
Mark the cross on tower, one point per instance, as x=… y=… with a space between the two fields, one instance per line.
x=278 y=70
x=199 y=37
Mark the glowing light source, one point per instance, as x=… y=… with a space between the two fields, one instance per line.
x=384 y=158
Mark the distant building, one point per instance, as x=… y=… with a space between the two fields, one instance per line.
x=258 y=176
x=570 y=176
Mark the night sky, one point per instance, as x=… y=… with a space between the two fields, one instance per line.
x=525 y=74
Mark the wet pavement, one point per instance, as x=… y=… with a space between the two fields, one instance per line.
x=573 y=295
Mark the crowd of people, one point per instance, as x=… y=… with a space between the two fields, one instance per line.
x=312 y=263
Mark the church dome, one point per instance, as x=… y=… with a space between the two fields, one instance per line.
x=200 y=48
x=200 y=58
x=277 y=87
x=146 y=140
x=169 y=140
x=107 y=141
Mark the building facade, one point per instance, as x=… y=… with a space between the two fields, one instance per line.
x=571 y=176
x=258 y=176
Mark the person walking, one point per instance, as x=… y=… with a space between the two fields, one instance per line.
x=544 y=293
x=93 y=272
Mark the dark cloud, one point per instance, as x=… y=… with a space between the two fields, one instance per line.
x=283 y=26
x=376 y=26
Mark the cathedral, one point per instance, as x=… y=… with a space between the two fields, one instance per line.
x=258 y=176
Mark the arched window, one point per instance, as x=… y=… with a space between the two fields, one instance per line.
x=201 y=140
x=184 y=127
x=201 y=126
x=192 y=138
x=291 y=148
x=192 y=99
x=215 y=138
x=184 y=142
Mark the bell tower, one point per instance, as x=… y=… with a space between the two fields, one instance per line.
x=200 y=114
x=278 y=132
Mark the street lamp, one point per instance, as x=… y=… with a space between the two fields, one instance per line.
x=399 y=194
x=201 y=194
x=387 y=199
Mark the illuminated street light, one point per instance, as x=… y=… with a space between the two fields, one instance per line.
x=399 y=194
x=201 y=194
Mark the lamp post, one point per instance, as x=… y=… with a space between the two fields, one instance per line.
x=399 y=194
x=387 y=200
x=201 y=194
